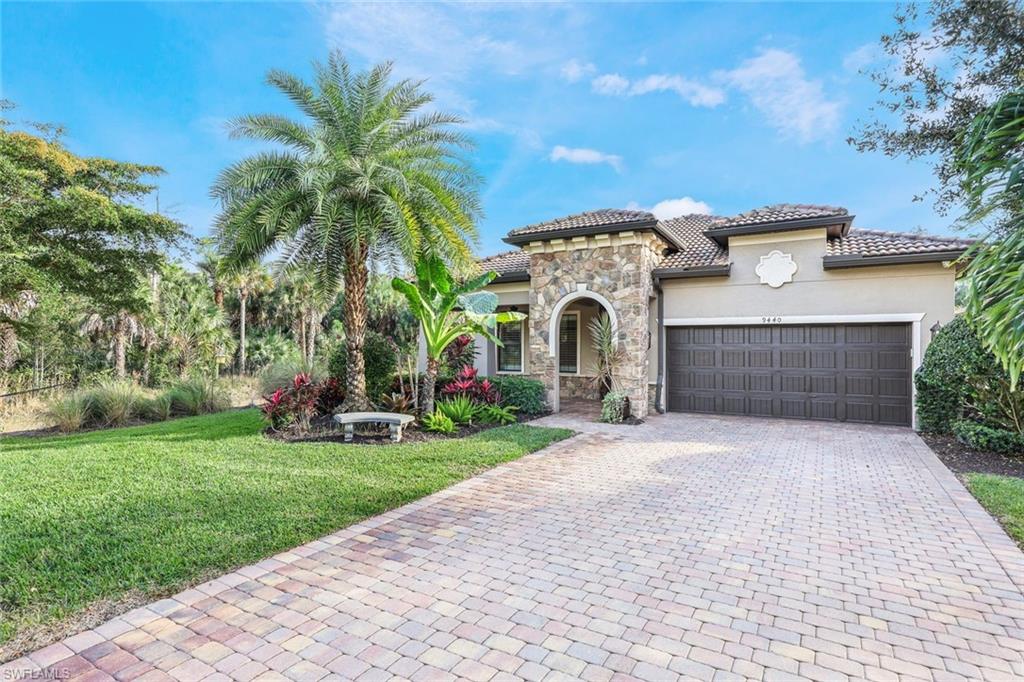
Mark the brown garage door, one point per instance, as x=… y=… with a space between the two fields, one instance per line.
x=856 y=373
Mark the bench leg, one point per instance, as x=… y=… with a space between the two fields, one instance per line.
x=349 y=432
x=396 y=432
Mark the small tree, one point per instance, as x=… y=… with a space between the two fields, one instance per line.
x=446 y=310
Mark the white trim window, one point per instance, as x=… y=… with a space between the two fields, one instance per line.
x=569 y=343
x=510 y=356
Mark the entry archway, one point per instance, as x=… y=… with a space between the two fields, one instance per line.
x=554 y=324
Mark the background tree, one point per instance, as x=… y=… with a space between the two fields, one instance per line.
x=120 y=327
x=213 y=267
x=367 y=171
x=73 y=224
x=945 y=62
x=247 y=280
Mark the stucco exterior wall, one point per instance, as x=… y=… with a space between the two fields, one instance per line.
x=923 y=288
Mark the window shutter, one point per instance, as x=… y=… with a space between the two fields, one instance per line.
x=567 y=344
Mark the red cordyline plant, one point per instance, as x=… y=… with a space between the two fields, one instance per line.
x=293 y=407
x=478 y=390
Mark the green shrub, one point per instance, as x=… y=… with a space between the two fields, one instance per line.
x=527 y=394
x=380 y=356
x=981 y=437
x=958 y=379
x=614 y=407
x=115 y=402
x=71 y=411
x=197 y=396
x=438 y=423
x=157 y=408
x=461 y=409
x=495 y=414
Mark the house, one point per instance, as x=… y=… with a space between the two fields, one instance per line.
x=784 y=311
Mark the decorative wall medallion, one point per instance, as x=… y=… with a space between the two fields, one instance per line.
x=776 y=269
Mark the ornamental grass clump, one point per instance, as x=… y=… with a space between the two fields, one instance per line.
x=70 y=412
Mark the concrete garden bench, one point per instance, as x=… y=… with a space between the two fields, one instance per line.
x=396 y=422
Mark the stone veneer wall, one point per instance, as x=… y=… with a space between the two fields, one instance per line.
x=578 y=387
x=618 y=267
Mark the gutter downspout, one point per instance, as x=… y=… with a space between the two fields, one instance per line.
x=659 y=387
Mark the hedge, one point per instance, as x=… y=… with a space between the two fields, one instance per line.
x=981 y=437
x=944 y=380
x=527 y=394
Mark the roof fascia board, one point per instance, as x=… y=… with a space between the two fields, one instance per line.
x=512 y=277
x=834 y=262
x=721 y=234
x=611 y=228
x=683 y=273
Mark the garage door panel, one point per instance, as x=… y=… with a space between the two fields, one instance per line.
x=823 y=384
x=829 y=372
x=734 y=358
x=893 y=387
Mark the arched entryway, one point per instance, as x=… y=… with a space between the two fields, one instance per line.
x=568 y=330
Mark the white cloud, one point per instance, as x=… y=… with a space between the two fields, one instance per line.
x=585 y=156
x=697 y=94
x=671 y=208
x=574 y=70
x=778 y=87
x=609 y=84
x=862 y=57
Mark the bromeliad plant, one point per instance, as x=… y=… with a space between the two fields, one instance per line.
x=446 y=310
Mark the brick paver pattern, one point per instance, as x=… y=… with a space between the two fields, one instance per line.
x=692 y=547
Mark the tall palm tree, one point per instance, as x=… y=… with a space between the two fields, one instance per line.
x=248 y=280
x=366 y=171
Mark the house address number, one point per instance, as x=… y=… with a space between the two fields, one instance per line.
x=771 y=319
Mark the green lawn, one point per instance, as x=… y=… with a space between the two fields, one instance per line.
x=1003 y=497
x=153 y=508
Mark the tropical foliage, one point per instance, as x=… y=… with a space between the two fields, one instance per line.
x=446 y=310
x=991 y=156
x=367 y=172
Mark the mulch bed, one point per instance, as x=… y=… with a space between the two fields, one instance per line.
x=323 y=430
x=962 y=459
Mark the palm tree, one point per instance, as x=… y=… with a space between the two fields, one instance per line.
x=248 y=280
x=12 y=311
x=212 y=266
x=194 y=327
x=367 y=171
x=121 y=326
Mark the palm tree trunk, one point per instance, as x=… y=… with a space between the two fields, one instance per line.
x=242 y=297
x=147 y=357
x=427 y=389
x=311 y=336
x=356 y=277
x=8 y=346
x=120 y=343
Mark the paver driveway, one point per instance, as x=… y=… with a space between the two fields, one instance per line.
x=691 y=546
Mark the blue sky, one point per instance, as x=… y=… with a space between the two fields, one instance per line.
x=677 y=107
